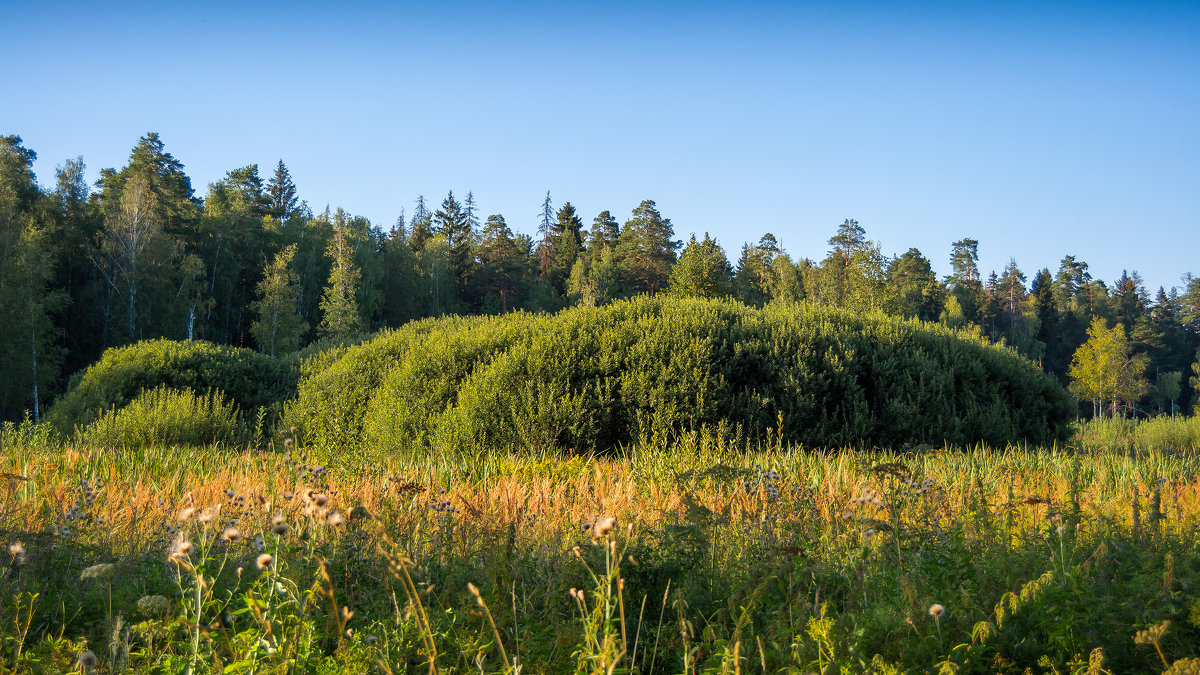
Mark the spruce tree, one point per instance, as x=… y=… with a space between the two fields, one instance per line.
x=421 y=226
x=339 y=306
x=454 y=225
x=545 y=230
x=282 y=199
x=565 y=244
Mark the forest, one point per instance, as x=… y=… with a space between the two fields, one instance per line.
x=141 y=255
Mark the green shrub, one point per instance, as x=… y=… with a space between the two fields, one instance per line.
x=250 y=380
x=163 y=416
x=594 y=378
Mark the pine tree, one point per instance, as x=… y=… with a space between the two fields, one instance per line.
x=278 y=328
x=849 y=238
x=964 y=281
x=646 y=250
x=339 y=306
x=500 y=275
x=605 y=232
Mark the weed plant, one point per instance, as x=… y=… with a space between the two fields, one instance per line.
x=702 y=555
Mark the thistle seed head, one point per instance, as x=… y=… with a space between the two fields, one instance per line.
x=936 y=610
x=605 y=525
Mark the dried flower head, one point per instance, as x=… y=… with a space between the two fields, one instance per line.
x=335 y=519
x=179 y=549
x=320 y=499
x=209 y=515
x=187 y=513
x=605 y=525
x=936 y=610
x=264 y=560
x=17 y=551
x=101 y=571
x=87 y=660
x=1151 y=635
x=231 y=534
x=153 y=605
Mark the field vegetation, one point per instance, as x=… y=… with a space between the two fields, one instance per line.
x=652 y=486
x=692 y=556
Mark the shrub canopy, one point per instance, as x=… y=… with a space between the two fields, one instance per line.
x=246 y=378
x=591 y=379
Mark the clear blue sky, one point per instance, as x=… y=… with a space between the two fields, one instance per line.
x=1040 y=129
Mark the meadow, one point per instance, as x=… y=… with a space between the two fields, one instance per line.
x=695 y=554
x=653 y=486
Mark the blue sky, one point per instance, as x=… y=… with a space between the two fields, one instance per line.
x=1040 y=129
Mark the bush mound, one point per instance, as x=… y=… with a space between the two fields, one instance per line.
x=163 y=416
x=590 y=379
x=248 y=379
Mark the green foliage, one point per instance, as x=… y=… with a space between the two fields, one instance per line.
x=1105 y=369
x=250 y=380
x=278 y=327
x=596 y=378
x=163 y=416
x=339 y=306
x=703 y=271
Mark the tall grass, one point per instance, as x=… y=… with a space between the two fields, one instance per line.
x=721 y=558
x=163 y=416
x=1163 y=433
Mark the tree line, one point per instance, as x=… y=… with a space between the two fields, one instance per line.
x=139 y=255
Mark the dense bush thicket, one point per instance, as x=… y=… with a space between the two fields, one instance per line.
x=248 y=379
x=165 y=416
x=594 y=378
